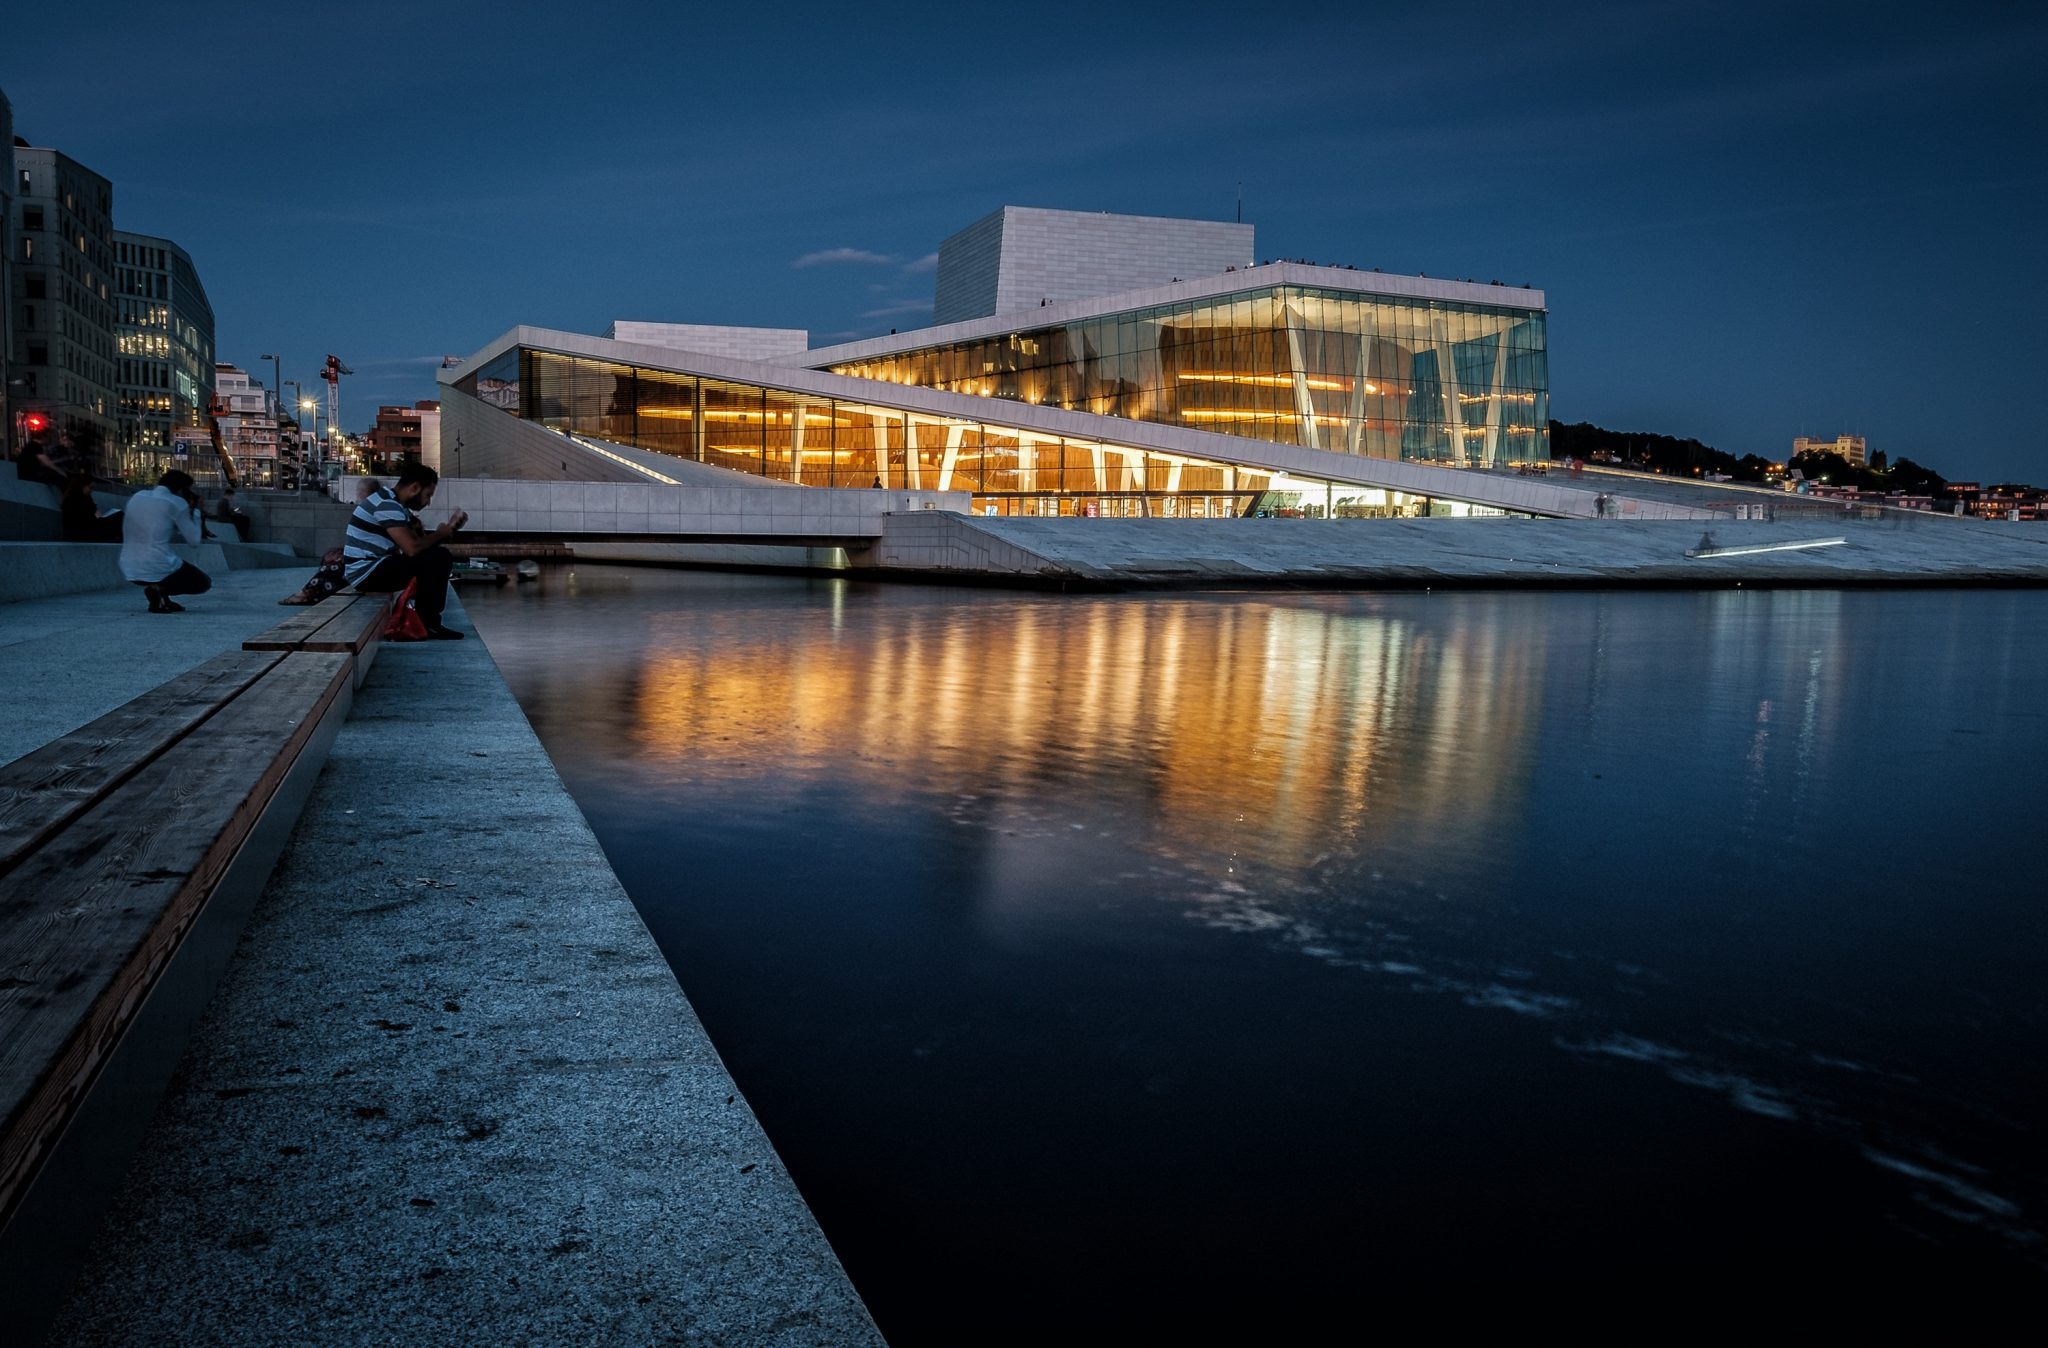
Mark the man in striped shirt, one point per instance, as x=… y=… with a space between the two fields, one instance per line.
x=386 y=546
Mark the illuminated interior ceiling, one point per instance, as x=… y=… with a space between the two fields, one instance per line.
x=1338 y=366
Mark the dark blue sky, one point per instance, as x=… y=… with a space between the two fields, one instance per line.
x=1753 y=221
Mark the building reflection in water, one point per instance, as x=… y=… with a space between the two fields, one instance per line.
x=1293 y=724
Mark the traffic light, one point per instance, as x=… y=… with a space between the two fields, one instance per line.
x=35 y=423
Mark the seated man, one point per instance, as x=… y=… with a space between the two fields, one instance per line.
x=152 y=518
x=83 y=520
x=386 y=546
x=32 y=463
x=228 y=512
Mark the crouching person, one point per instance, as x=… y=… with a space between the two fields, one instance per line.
x=387 y=546
x=151 y=520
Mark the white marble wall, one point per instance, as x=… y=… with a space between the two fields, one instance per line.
x=1019 y=255
x=946 y=542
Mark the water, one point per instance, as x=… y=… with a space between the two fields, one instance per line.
x=1209 y=965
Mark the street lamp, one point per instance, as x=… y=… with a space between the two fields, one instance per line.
x=313 y=458
x=298 y=397
x=277 y=373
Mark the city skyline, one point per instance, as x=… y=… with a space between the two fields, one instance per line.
x=1752 y=225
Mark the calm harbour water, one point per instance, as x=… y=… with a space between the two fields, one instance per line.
x=1215 y=962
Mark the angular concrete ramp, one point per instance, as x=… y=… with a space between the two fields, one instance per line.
x=1119 y=553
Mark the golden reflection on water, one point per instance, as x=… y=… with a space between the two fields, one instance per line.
x=1296 y=717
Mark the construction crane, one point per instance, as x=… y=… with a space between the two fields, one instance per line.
x=332 y=372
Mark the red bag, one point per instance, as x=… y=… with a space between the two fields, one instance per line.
x=405 y=623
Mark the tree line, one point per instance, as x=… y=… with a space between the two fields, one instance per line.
x=1680 y=458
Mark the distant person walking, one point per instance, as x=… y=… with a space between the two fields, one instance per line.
x=169 y=509
x=387 y=547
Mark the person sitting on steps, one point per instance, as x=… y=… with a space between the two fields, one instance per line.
x=386 y=546
x=83 y=520
x=228 y=512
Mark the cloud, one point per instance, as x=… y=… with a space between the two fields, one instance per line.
x=928 y=263
x=834 y=256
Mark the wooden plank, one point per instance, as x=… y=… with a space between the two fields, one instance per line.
x=287 y=635
x=89 y=920
x=47 y=788
x=354 y=628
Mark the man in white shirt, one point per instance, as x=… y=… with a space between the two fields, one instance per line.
x=149 y=523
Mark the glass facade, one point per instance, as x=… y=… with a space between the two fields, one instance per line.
x=830 y=442
x=1374 y=375
x=164 y=344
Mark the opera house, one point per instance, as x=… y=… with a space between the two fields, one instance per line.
x=1081 y=364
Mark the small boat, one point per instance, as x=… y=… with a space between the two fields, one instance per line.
x=527 y=570
x=479 y=571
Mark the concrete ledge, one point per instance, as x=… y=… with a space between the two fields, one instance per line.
x=743 y=555
x=47 y=1237
x=449 y=1091
x=305 y=522
x=45 y=570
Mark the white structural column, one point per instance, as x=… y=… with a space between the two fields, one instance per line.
x=1495 y=396
x=796 y=441
x=1027 y=464
x=1101 y=468
x=954 y=434
x=1447 y=380
x=1304 y=399
x=913 y=462
x=882 y=423
x=1361 y=382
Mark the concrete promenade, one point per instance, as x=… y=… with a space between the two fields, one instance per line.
x=449 y=1091
x=68 y=659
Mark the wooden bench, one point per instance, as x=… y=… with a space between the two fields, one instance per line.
x=130 y=852
x=43 y=791
x=350 y=624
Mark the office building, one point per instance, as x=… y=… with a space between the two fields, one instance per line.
x=63 y=353
x=163 y=328
x=1849 y=447
x=251 y=432
x=404 y=435
x=8 y=299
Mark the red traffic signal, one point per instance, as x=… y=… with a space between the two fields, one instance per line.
x=36 y=423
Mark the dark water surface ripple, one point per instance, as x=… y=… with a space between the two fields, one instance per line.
x=1219 y=961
